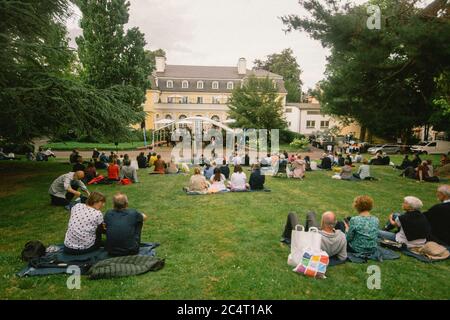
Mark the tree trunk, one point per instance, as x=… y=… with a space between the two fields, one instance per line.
x=369 y=136
x=362 y=135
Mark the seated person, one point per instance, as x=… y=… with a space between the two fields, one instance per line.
x=128 y=171
x=348 y=158
x=416 y=161
x=142 y=161
x=257 y=180
x=160 y=165
x=197 y=183
x=209 y=170
x=299 y=168
x=444 y=160
x=362 y=230
x=346 y=172
x=340 y=160
x=152 y=160
x=84 y=233
x=266 y=161
x=405 y=163
x=413 y=225
x=172 y=167
x=385 y=160
x=358 y=158
x=423 y=173
x=30 y=156
x=79 y=166
x=333 y=241
x=90 y=172
x=363 y=172
x=113 y=171
x=438 y=217
x=72 y=157
x=377 y=160
x=217 y=182
x=225 y=170
x=41 y=156
x=238 y=181
x=49 y=153
x=237 y=159
x=123 y=228
x=64 y=188
x=326 y=162
x=307 y=163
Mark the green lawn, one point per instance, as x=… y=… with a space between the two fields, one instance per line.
x=222 y=246
x=70 y=145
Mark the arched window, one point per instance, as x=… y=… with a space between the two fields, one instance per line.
x=199 y=84
x=185 y=84
x=182 y=125
x=169 y=84
x=168 y=117
x=215 y=85
x=215 y=118
x=181 y=117
x=230 y=85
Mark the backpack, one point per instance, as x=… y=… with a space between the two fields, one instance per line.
x=125 y=181
x=32 y=250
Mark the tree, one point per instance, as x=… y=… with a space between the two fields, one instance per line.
x=284 y=64
x=39 y=94
x=257 y=105
x=109 y=56
x=382 y=78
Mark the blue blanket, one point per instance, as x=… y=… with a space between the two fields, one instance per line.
x=57 y=262
x=379 y=255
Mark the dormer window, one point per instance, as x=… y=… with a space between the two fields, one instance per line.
x=215 y=85
x=169 y=84
x=230 y=85
x=199 y=84
x=185 y=84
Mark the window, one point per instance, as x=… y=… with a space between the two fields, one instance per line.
x=168 y=117
x=310 y=124
x=230 y=85
x=433 y=144
x=216 y=100
x=185 y=84
x=215 y=118
x=182 y=125
x=311 y=112
x=170 y=99
x=215 y=85
x=181 y=117
x=324 y=124
x=288 y=110
x=169 y=84
x=184 y=100
x=199 y=100
x=199 y=84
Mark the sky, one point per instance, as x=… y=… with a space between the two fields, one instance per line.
x=219 y=32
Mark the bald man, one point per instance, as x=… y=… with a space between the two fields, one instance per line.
x=439 y=217
x=333 y=240
x=65 y=188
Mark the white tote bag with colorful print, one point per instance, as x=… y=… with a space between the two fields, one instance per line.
x=301 y=240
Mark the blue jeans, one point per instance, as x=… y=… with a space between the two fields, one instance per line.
x=386 y=235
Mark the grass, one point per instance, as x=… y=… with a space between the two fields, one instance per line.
x=222 y=246
x=70 y=145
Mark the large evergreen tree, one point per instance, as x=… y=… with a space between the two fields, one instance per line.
x=39 y=94
x=385 y=79
x=286 y=65
x=257 y=105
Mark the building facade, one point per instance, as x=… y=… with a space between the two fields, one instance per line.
x=181 y=91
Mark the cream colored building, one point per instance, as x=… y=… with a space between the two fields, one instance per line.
x=181 y=91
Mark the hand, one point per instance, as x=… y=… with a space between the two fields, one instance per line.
x=77 y=194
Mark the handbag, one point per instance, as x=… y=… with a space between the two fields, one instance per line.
x=313 y=264
x=301 y=240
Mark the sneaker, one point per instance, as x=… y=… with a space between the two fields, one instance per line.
x=285 y=240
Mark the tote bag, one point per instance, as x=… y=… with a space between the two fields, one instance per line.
x=301 y=240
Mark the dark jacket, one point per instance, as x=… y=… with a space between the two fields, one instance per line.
x=326 y=163
x=415 y=225
x=257 y=180
x=225 y=170
x=439 y=218
x=142 y=161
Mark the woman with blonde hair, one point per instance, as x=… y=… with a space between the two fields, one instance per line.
x=197 y=183
x=299 y=168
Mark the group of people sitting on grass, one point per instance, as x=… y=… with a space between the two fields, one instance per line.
x=420 y=170
x=214 y=179
x=87 y=224
x=361 y=234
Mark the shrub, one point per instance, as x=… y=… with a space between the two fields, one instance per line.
x=300 y=143
x=287 y=136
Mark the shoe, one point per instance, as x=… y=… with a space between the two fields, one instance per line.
x=286 y=241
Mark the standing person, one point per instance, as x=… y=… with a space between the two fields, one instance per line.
x=95 y=154
x=123 y=228
x=113 y=171
x=84 y=233
x=238 y=180
x=438 y=217
x=64 y=188
x=128 y=171
x=414 y=228
x=257 y=180
x=142 y=161
x=362 y=230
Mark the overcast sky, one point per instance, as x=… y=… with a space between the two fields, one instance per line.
x=219 y=32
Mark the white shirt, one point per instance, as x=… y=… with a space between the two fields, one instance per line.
x=237 y=160
x=238 y=180
x=83 y=224
x=61 y=184
x=218 y=185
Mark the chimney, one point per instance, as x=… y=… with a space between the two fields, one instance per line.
x=242 y=66
x=160 y=64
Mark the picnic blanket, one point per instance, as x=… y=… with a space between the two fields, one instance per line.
x=57 y=262
x=198 y=193
x=125 y=266
x=379 y=255
x=420 y=257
